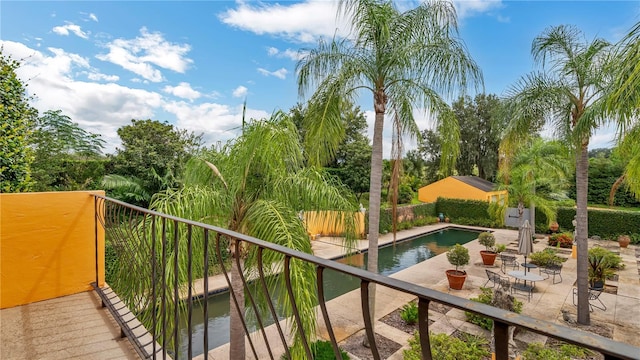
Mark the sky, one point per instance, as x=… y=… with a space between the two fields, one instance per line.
x=194 y=63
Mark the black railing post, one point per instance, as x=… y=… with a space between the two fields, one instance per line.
x=423 y=327
x=501 y=340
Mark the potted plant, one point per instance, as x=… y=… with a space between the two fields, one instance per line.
x=457 y=256
x=624 y=240
x=602 y=265
x=488 y=254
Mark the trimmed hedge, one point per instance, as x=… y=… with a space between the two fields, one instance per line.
x=457 y=208
x=413 y=213
x=602 y=222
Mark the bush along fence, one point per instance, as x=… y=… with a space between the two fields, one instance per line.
x=408 y=217
x=462 y=212
x=607 y=224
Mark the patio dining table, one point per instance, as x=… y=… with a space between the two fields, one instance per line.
x=526 y=276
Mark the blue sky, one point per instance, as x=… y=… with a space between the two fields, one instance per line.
x=193 y=63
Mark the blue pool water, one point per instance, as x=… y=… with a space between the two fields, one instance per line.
x=391 y=259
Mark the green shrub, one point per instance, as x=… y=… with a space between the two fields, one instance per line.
x=546 y=257
x=602 y=264
x=445 y=347
x=484 y=322
x=537 y=351
x=424 y=210
x=457 y=208
x=483 y=222
x=563 y=240
x=602 y=222
x=405 y=194
x=635 y=239
x=487 y=239
x=486 y=297
x=409 y=313
x=322 y=350
x=458 y=256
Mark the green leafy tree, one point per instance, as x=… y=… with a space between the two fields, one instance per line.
x=481 y=124
x=352 y=163
x=539 y=170
x=15 y=128
x=257 y=185
x=569 y=94
x=67 y=157
x=153 y=154
x=430 y=150
x=605 y=174
x=405 y=60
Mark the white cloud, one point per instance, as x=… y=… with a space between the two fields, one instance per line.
x=98 y=108
x=294 y=55
x=95 y=76
x=303 y=22
x=216 y=122
x=65 y=29
x=466 y=8
x=183 y=90
x=280 y=73
x=141 y=54
x=240 y=91
x=93 y=17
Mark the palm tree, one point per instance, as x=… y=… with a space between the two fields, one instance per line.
x=537 y=170
x=257 y=186
x=625 y=100
x=568 y=95
x=404 y=60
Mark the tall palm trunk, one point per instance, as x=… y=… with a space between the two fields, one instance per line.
x=614 y=188
x=374 y=203
x=582 y=168
x=236 y=331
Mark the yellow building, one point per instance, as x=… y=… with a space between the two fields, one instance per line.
x=462 y=187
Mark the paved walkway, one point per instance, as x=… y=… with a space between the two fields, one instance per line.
x=622 y=314
x=69 y=327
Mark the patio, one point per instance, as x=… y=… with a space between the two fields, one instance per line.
x=620 y=321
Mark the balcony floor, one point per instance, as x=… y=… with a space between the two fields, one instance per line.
x=69 y=327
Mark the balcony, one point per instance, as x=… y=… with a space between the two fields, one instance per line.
x=53 y=254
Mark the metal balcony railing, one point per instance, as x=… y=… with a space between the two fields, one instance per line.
x=150 y=246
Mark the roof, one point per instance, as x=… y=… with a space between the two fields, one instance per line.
x=477 y=182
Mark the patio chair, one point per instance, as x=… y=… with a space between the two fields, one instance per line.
x=594 y=298
x=523 y=288
x=497 y=280
x=508 y=260
x=552 y=270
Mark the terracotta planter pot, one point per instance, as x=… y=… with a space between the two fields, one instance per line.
x=554 y=227
x=456 y=279
x=624 y=240
x=488 y=257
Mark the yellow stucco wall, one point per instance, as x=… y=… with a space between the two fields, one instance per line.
x=453 y=188
x=47 y=246
x=330 y=223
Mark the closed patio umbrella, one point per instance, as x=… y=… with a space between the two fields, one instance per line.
x=525 y=242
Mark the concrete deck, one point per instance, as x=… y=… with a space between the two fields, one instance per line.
x=69 y=327
x=622 y=314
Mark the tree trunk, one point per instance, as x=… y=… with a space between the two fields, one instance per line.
x=582 y=231
x=374 y=206
x=614 y=188
x=236 y=331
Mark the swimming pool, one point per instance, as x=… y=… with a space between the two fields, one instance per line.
x=391 y=259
